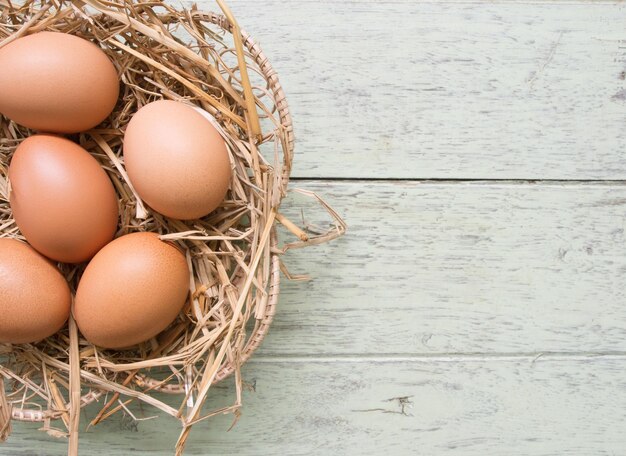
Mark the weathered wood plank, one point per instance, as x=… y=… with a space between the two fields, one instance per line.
x=449 y=268
x=343 y=407
x=448 y=90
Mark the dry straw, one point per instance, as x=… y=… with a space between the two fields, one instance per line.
x=204 y=59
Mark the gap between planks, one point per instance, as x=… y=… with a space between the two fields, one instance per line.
x=439 y=181
x=457 y=2
x=447 y=357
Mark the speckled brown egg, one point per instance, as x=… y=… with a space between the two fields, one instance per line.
x=131 y=291
x=34 y=297
x=176 y=160
x=56 y=82
x=62 y=200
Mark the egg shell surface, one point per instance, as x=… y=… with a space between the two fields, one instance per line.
x=56 y=82
x=131 y=291
x=62 y=200
x=34 y=296
x=176 y=160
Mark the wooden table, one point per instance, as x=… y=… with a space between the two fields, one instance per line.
x=477 y=305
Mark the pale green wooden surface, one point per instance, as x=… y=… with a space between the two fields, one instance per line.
x=410 y=89
x=497 y=308
x=348 y=406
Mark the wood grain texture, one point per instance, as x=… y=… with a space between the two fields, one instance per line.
x=447 y=90
x=493 y=312
x=459 y=268
x=453 y=406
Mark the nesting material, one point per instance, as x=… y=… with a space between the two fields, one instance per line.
x=203 y=59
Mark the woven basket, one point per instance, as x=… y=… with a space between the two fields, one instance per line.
x=233 y=253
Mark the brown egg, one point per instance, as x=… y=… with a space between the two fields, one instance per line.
x=62 y=200
x=131 y=291
x=56 y=82
x=176 y=160
x=34 y=297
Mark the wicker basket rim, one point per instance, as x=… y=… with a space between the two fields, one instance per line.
x=256 y=338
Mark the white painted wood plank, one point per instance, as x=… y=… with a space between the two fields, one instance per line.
x=438 y=90
x=457 y=406
x=449 y=268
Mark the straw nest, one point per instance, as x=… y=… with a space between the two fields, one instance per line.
x=205 y=59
